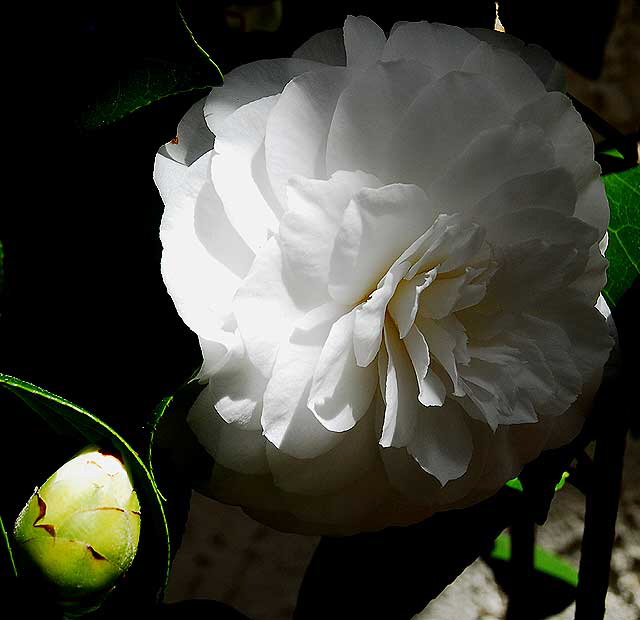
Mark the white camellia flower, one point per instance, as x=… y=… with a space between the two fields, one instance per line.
x=392 y=256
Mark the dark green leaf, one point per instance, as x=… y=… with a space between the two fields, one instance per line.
x=149 y=573
x=7 y=565
x=623 y=252
x=143 y=85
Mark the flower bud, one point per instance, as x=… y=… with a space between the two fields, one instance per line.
x=81 y=528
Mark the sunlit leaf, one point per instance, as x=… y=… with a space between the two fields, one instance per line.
x=623 y=252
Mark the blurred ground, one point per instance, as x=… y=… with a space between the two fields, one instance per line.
x=227 y=556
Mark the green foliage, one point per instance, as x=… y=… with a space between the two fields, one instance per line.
x=623 y=252
x=143 y=85
x=543 y=561
x=7 y=565
x=149 y=574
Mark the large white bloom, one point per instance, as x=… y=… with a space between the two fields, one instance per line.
x=391 y=256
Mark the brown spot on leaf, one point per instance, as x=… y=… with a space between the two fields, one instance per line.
x=109 y=508
x=42 y=511
x=135 y=512
x=175 y=140
x=95 y=554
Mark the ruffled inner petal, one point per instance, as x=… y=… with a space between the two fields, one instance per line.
x=431 y=390
x=400 y=392
x=370 y=316
x=388 y=219
x=287 y=421
x=341 y=390
x=308 y=228
x=403 y=306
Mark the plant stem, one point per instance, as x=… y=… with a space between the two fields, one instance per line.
x=522 y=549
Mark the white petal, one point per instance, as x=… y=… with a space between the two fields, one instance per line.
x=368 y=112
x=400 y=392
x=440 y=123
x=431 y=389
x=550 y=189
x=287 y=421
x=298 y=126
x=447 y=343
x=263 y=300
x=493 y=158
x=403 y=306
x=370 y=316
x=574 y=150
x=193 y=138
x=510 y=74
x=239 y=173
x=328 y=472
x=186 y=264
x=388 y=219
x=363 y=41
x=326 y=47
x=230 y=445
x=341 y=391
x=308 y=229
x=251 y=82
x=442 y=443
x=443 y=48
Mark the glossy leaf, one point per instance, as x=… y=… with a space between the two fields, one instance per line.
x=143 y=85
x=7 y=565
x=623 y=251
x=149 y=573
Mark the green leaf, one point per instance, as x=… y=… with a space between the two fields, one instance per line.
x=143 y=85
x=7 y=565
x=195 y=41
x=623 y=252
x=543 y=561
x=515 y=483
x=149 y=573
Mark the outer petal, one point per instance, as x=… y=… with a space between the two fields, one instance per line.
x=421 y=147
x=239 y=174
x=298 y=127
x=264 y=299
x=442 y=442
x=326 y=47
x=251 y=82
x=367 y=113
x=364 y=41
x=494 y=157
x=231 y=446
x=441 y=47
x=193 y=138
x=186 y=263
x=573 y=146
